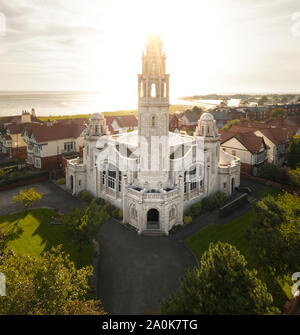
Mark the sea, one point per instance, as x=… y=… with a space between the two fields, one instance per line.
x=72 y=103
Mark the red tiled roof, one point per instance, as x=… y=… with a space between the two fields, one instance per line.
x=43 y=133
x=249 y=140
x=124 y=121
x=241 y=130
x=275 y=135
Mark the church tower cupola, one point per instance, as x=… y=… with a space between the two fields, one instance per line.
x=153 y=112
x=97 y=126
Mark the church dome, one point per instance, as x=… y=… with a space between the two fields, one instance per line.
x=206 y=117
x=97 y=116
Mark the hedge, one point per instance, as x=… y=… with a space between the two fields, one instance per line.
x=23 y=178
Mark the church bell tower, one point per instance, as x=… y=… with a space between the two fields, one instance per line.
x=153 y=116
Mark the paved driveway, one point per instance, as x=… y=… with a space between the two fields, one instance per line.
x=53 y=197
x=137 y=272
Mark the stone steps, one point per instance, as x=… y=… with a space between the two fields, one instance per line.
x=153 y=232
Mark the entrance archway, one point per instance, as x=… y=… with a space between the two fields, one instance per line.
x=232 y=185
x=153 y=219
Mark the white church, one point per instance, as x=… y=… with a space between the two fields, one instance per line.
x=152 y=174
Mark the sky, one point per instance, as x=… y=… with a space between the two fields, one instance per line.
x=222 y=46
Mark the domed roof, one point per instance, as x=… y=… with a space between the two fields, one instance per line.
x=206 y=117
x=97 y=116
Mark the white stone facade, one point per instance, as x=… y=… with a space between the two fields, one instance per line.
x=153 y=175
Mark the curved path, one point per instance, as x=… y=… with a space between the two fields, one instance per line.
x=136 y=272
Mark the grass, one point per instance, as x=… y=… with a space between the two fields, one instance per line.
x=32 y=234
x=172 y=109
x=235 y=233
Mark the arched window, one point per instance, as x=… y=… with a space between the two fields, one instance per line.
x=153 y=90
x=153 y=121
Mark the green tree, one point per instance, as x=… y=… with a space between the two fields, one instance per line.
x=83 y=223
x=274 y=237
x=295 y=177
x=222 y=285
x=230 y=123
x=263 y=100
x=276 y=113
x=27 y=198
x=293 y=154
x=46 y=284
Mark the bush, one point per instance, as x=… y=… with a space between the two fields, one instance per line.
x=61 y=181
x=220 y=199
x=100 y=201
x=23 y=177
x=117 y=214
x=214 y=201
x=196 y=209
x=187 y=220
x=208 y=204
x=85 y=196
x=268 y=183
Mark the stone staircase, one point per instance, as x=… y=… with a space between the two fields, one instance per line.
x=153 y=232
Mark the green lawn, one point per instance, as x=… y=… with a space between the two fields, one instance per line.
x=32 y=234
x=235 y=233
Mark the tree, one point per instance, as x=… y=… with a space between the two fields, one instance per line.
x=276 y=113
x=222 y=285
x=46 y=284
x=27 y=198
x=83 y=223
x=295 y=177
x=293 y=154
x=230 y=123
x=274 y=237
x=263 y=100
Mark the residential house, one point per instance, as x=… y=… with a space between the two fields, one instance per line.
x=248 y=147
x=174 y=122
x=277 y=139
x=47 y=144
x=11 y=128
x=121 y=123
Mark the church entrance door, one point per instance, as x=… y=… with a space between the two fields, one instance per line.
x=153 y=219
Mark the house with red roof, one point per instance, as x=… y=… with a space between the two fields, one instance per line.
x=250 y=148
x=11 y=128
x=47 y=144
x=121 y=123
x=277 y=139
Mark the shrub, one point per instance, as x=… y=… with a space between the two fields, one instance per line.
x=61 y=181
x=99 y=201
x=196 y=209
x=268 y=183
x=85 y=196
x=220 y=198
x=214 y=201
x=187 y=219
x=208 y=204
